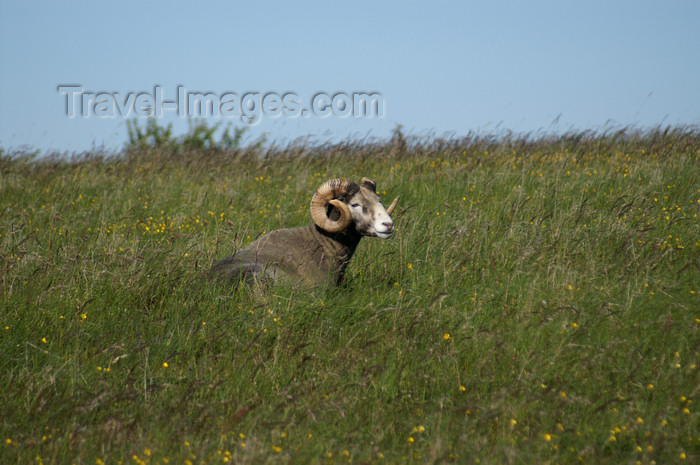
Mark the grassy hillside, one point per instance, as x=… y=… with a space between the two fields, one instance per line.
x=539 y=303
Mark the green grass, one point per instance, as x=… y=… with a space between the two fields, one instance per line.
x=539 y=303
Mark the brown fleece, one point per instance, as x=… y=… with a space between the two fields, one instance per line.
x=308 y=255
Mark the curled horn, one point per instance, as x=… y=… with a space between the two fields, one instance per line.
x=390 y=210
x=326 y=194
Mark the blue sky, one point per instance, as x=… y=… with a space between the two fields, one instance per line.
x=440 y=67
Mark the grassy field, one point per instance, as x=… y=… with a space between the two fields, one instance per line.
x=539 y=304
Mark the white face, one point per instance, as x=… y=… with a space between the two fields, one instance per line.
x=369 y=215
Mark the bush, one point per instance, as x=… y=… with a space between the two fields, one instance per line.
x=200 y=136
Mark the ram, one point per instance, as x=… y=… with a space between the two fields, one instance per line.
x=315 y=255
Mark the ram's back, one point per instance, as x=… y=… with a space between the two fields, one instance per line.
x=292 y=255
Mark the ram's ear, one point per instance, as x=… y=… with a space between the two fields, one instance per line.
x=369 y=184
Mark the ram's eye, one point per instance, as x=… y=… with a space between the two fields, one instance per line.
x=355 y=205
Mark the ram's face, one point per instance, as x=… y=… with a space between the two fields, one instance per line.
x=340 y=204
x=368 y=214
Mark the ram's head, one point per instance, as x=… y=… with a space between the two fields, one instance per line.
x=341 y=205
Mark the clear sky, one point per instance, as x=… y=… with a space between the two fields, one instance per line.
x=439 y=67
